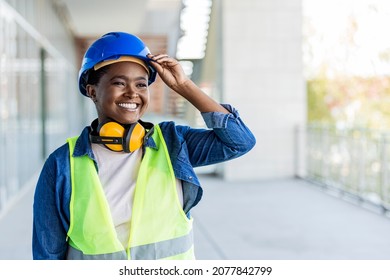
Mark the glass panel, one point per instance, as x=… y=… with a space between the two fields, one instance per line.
x=34 y=93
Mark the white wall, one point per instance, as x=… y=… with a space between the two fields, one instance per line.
x=262 y=77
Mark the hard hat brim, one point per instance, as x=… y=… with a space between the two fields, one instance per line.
x=122 y=59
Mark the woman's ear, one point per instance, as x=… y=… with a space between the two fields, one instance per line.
x=91 y=92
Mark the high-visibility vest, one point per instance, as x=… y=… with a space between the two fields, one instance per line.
x=159 y=227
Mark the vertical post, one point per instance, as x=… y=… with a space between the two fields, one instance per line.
x=43 y=103
x=322 y=172
x=383 y=178
x=300 y=151
x=361 y=188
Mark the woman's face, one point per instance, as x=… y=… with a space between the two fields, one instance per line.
x=122 y=94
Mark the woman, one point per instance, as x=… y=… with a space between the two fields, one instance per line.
x=124 y=188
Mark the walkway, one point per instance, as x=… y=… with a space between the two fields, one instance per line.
x=285 y=219
x=278 y=219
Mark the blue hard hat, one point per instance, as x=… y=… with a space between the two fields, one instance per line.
x=111 y=46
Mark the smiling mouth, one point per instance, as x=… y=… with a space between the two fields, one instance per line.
x=129 y=106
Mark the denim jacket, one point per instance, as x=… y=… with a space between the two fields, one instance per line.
x=227 y=138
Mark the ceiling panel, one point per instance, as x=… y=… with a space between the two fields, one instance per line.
x=89 y=18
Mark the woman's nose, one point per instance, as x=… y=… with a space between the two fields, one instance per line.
x=131 y=92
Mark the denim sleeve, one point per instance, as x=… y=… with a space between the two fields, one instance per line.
x=227 y=138
x=49 y=234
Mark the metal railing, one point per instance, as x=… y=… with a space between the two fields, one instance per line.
x=354 y=161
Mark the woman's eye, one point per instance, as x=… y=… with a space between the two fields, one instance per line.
x=119 y=83
x=142 y=85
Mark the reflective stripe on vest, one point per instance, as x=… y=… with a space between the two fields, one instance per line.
x=165 y=249
x=159 y=228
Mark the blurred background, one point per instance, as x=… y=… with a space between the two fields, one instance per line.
x=310 y=78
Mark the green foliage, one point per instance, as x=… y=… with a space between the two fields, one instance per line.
x=350 y=101
x=318 y=110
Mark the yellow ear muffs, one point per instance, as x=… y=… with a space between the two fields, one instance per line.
x=117 y=137
x=112 y=129
x=134 y=138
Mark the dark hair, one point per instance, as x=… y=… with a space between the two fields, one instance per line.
x=93 y=77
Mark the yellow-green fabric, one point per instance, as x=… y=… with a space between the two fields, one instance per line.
x=159 y=227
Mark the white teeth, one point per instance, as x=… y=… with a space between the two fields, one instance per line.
x=128 y=105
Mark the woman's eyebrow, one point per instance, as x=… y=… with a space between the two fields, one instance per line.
x=127 y=78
